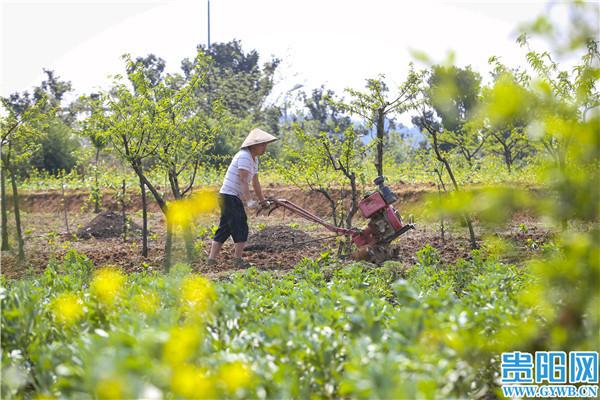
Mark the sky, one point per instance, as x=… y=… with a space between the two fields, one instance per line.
x=332 y=42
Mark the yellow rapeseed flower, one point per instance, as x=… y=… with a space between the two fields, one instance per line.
x=183 y=212
x=67 y=308
x=197 y=293
x=204 y=201
x=147 y=302
x=182 y=344
x=107 y=285
x=234 y=376
x=179 y=213
x=191 y=382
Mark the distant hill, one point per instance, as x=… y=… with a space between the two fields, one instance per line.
x=412 y=135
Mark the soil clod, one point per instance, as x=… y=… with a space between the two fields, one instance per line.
x=105 y=225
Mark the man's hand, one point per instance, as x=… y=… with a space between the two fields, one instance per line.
x=264 y=204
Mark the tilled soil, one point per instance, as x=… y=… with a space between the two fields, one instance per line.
x=276 y=243
x=42 y=246
x=277 y=238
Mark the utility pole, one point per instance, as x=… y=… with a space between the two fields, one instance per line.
x=208 y=87
x=208 y=4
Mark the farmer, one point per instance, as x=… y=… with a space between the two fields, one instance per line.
x=235 y=193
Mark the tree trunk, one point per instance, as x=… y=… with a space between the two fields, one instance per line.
x=188 y=236
x=466 y=216
x=472 y=238
x=168 y=246
x=332 y=203
x=159 y=199
x=562 y=165
x=64 y=202
x=507 y=155
x=20 y=242
x=380 y=133
x=144 y=220
x=442 y=228
x=96 y=188
x=188 y=239
x=123 y=213
x=443 y=160
x=163 y=207
x=5 y=244
x=441 y=186
x=354 y=208
x=466 y=154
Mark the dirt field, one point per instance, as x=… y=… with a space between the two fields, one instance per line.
x=276 y=242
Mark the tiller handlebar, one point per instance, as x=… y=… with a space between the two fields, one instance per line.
x=385 y=223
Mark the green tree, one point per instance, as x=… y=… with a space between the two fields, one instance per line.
x=21 y=126
x=157 y=120
x=566 y=93
x=565 y=291
x=154 y=68
x=454 y=94
x=377 y=104
x=57 y=141
x=92 y=129
x=426 y=121
x=326 y=115
x=57 y=150
x=507 y=139
x=54 y=90
x=241 y=85
x=510 y=143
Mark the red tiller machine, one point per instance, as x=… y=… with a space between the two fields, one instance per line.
x=385 y=223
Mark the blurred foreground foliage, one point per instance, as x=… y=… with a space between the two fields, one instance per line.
x=563 y=112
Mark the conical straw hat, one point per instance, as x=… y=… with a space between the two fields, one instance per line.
x=257 y=136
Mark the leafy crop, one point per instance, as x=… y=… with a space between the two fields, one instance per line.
x=322 y=330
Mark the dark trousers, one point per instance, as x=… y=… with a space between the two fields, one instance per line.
x=233 y=221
